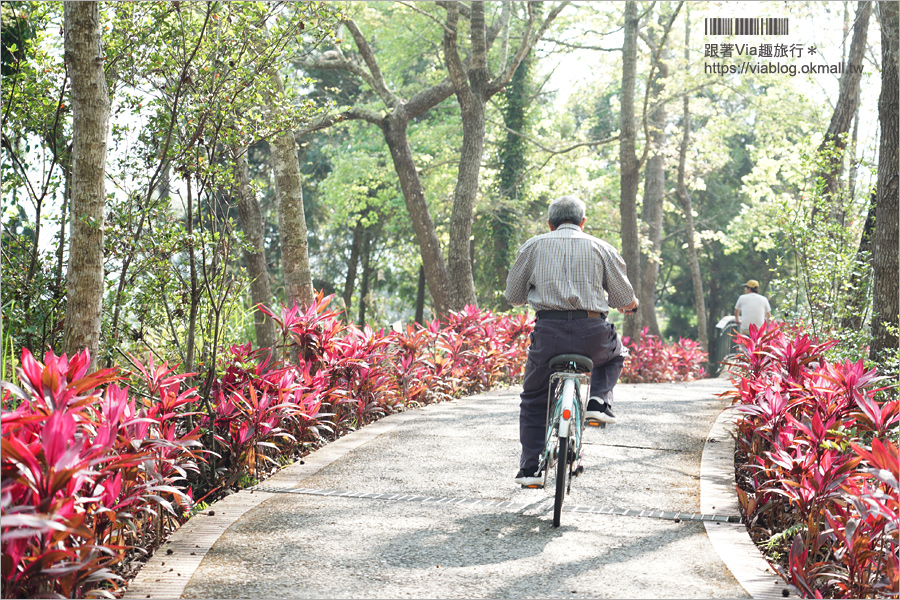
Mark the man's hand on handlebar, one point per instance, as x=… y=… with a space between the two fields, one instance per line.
x=631 y=308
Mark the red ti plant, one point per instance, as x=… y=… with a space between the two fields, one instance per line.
x=92 y=469
x=485 y=349
x=653 y=361
x=415 y=372
x=254 y=422
x=78 y=475
x=309 y=331
x=362 y=377
x=254 y=413
x=820 y=464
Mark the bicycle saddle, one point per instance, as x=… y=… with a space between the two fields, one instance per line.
x=571 y=362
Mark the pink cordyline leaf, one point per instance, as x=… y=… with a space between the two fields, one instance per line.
x=58 y=435
x=883 y=456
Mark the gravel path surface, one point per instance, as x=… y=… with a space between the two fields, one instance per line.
x=444 y=544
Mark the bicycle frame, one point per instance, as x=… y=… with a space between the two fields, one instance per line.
x=566 y=400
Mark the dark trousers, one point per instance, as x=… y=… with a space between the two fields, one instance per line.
x=594 y=338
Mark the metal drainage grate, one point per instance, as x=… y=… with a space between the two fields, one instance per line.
x=506 y=504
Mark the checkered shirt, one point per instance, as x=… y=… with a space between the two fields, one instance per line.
x=568 y=269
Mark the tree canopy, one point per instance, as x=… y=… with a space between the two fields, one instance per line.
x=429 y=138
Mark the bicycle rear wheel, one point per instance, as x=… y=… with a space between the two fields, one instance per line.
x=562 y=474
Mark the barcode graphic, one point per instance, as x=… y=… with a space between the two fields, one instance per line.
x=746 y=26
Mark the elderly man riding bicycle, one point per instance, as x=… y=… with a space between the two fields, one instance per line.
x=571 y=280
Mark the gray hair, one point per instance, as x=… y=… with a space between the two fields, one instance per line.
x=567 y=209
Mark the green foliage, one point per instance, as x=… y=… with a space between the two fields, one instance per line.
x=33 y=292
x=16 y=34
x=198 y=508
x=359 y=201
x=35 y=157
x=779 y=544
x=818 y=262
x=194 y=88
x=7 y=349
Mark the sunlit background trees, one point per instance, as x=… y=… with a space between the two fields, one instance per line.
x=208 y=104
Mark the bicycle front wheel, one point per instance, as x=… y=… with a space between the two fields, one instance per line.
x=562 y=474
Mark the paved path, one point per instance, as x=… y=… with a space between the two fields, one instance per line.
x=422 y=505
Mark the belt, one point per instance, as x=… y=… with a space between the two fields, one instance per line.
x=568 y=315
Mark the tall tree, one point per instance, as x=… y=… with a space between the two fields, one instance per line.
x=885 y=301
x=471 y=81
x=474 y=87
x=255 y=252
x=629 y=165
x=684 y=197
x=90 y=124
x=835 y=141
x=654 y=182
x=298 y=285
x=511 y=180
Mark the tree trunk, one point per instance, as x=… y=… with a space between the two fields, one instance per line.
x=350 y=282
x=471 y=94
x=255 y=256
x=462 y=282
x=844 y=110
x=684 y=197
x=629 y=167
x=195 y=291
x=511 y=179
x=420 y=297
x=854 y=315
x=365 y=256
x=885 y=301
x=429 y=246
x=58 y=286
x=654 y=190
x=298 y=285
x=90 y=125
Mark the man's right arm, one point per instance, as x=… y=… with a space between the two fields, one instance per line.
x=631 y=308
x=517 y=280
x=615 y=280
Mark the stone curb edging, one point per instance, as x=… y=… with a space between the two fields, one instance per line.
x=170 y=569
x=731 y=540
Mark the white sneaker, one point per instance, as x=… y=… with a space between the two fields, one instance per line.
x=529 y=481
x=600 y=411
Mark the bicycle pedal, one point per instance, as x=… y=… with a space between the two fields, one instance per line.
x=579 y=470
x=594 y=423
x=533 y=487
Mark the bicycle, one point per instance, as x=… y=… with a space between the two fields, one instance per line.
x=570 y=384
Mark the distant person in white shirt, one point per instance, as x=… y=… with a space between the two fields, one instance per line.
x=751 y=308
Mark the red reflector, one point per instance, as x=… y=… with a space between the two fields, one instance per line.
x=567 y=414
